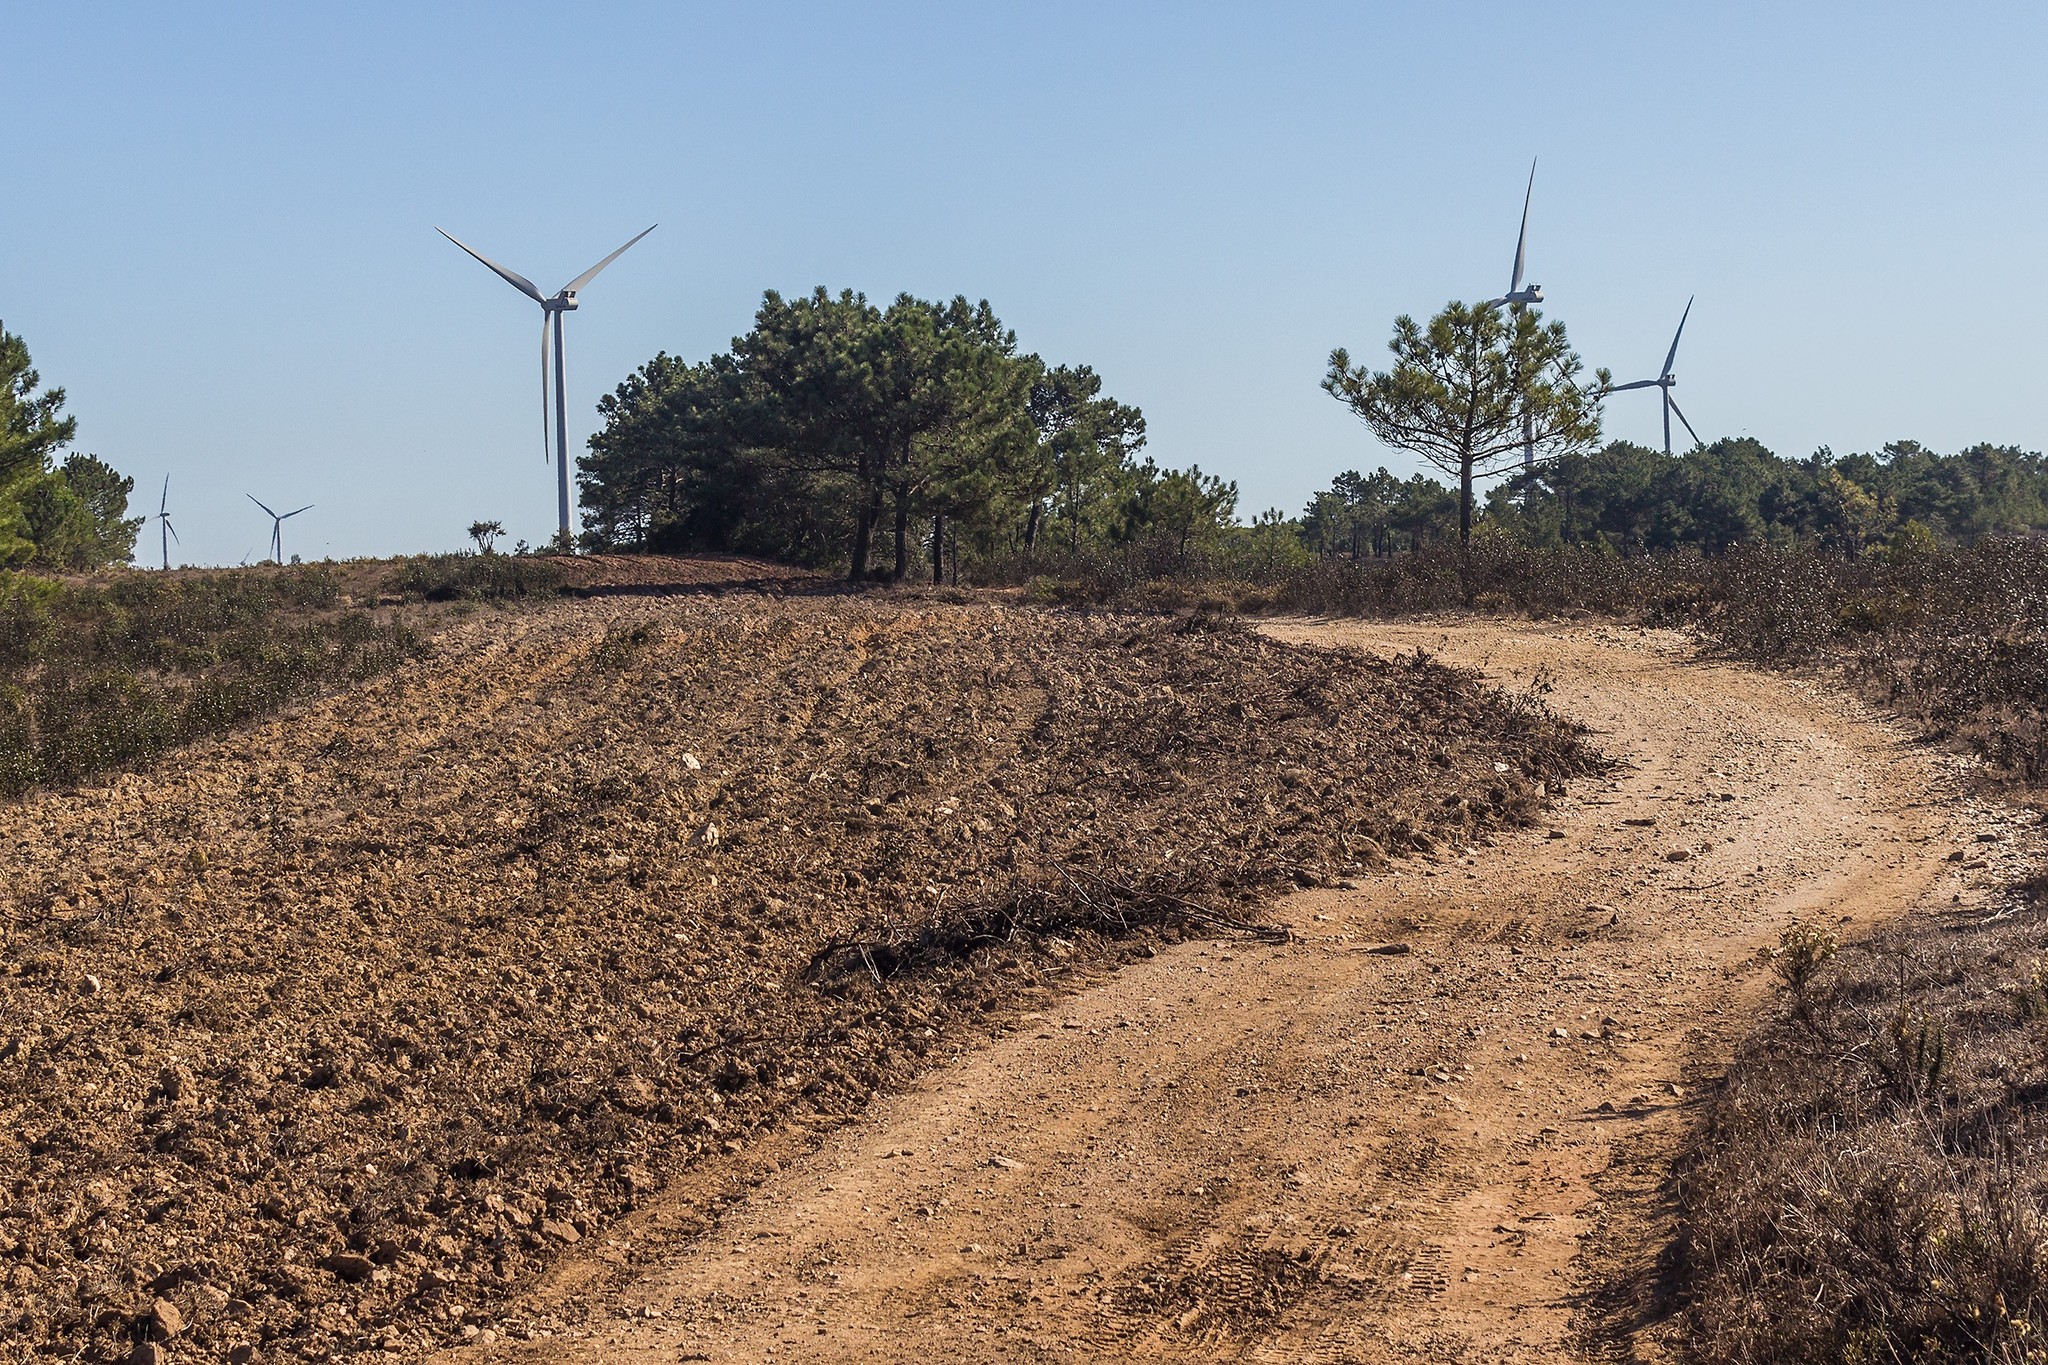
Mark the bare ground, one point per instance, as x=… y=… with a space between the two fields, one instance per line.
x=1437 y=1126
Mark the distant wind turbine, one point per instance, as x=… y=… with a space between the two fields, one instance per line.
x=551 y=315
x=167 y=532
x=277 y=525
x=1517 y=298
x=1665 y=380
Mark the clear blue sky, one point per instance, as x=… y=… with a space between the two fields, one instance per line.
x=218 y=223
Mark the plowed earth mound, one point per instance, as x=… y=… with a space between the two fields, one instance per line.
x=323 y=1036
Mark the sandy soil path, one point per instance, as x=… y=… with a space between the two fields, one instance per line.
x=1432 y=1128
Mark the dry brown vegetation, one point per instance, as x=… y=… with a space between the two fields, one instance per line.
x=333 y=1030
x=1872 y=1184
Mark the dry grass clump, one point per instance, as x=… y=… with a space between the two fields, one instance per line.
x=1872 y=1183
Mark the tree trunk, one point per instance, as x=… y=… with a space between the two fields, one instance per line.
x=938 y=548
x=902 y=536
x=864 y=534
x=1031 y=525
x=1465 y=530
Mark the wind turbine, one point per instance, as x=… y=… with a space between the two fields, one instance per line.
x=1517 y=298
x=167 y=532
x=277 y=526
x=551 y=315
x=1665 y=380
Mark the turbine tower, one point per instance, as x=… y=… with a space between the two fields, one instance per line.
x=1665 y=380
x=1516 y=299
x=167 y=532
x=277 y=526
x=551 y=315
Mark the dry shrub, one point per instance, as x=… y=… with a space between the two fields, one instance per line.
x=1871 y=1183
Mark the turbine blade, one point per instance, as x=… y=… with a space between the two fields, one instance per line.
x=511 y=277
x=1522 y=241
x=1681 y=417
x=1672 y=354
x=259 y=502
x=307 y=508
x=544 y=320
x=165 y=500
x=174 y=532
x=1638 y=384
x=587 y=276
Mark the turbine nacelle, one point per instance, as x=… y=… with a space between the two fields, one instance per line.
x=564 y=302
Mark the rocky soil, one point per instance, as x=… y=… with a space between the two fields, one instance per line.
x=328 y=1037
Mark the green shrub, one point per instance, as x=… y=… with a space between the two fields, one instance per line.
x=474 y=577
x=111 y=673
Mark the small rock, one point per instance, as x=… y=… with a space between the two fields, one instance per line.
x=89 y=986
x=690 y=762
x=172 y=1085
x=560 y=1231
x=1607 y=1106
x=1640 y=824
x=165 y=1321
x=1560 y=1032
x=1957 y=856
x=1989 y=836
x=1674 y=1089
x=1678 y=855
x=146 y=1353
x=347 y=1265
x=242 y=1355
x=1391 y=950
x=1005 y=1163
x=708 y=836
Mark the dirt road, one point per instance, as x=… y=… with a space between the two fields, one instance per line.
x=1432 y=1128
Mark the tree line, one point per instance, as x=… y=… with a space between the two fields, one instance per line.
x=1629 y=499
x=890 y=441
